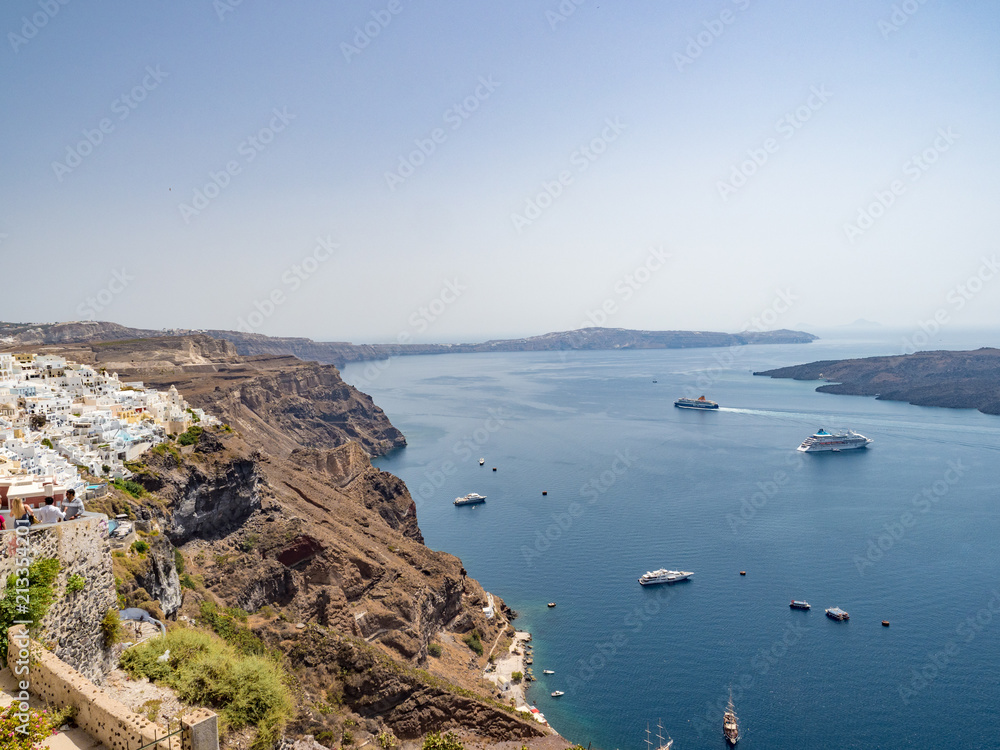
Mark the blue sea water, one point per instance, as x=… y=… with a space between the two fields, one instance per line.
x=905 y=531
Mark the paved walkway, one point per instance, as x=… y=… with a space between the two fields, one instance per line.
x=74 y=739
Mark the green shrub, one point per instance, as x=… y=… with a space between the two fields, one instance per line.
x=140 y=546
x=111 y=628
x=247 y=691
x=516 y=676
x=179 y=561
x=187 y=582
x=447 y=741
x=473 y=642
x=75 y=583
x=191 y=436
x=386 y=740
x=40 y=594
x=129 y=487
x=347 y=738
x=249 y=543
x=47 y=443
x=434 y=649
x=226 y=623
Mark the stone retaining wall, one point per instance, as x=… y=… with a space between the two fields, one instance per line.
x=72 y=626
x=101 y=716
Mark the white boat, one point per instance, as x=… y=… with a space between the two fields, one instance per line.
x=471 y=499
x=482 y=461
x=833 y=441
x=557 y=693
x=695 y=403
x=548 y=671
x=663 y=575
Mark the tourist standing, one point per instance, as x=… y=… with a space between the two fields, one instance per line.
x=49 y=513
x=72 y=506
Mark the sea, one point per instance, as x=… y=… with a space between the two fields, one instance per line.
x=906 y=531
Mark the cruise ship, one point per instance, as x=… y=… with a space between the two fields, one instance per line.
x=471 y=499
x=833 y=441
x=695 y=403
x=664 y=576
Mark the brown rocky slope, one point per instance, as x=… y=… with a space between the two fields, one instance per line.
x=285 y=515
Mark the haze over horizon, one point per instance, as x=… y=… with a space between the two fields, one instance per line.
x=460 y=173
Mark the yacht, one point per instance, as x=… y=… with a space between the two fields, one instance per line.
x=557 y=693
x=482 y=461
x=664 y=576
x=471 y=499
x=833 y=441
x=836 y=613
x=695 y=403
x=730 y=725
x=798 y=604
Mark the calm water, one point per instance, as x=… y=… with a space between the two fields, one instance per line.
x=635 y=484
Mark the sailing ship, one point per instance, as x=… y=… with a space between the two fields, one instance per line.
x=659 y=735
x=730 y=727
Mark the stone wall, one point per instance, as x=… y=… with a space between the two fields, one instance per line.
x=101 y=716
x=72 y=626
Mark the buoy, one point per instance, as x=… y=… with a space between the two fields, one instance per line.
x=544 y=492
x=885 y=623
x=494 y=468
x=743 y=572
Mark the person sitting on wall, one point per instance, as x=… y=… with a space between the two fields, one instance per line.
x=49 y=513
x=20 y=513
x=72 y=506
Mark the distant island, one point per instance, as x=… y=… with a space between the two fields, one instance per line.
x=957 y=380
x=340 y=353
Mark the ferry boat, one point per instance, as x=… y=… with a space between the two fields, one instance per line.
x=830 y=441
x=797 y=604
x=836 y=613
x=695 y=403
x=471 y=499
x=730 y=725
x=662 y=575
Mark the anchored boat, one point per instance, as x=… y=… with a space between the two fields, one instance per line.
x=472 y=498
x=833 y=441
x=651 y=578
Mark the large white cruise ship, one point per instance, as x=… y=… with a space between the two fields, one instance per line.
x=828 y=441
x=664 y=576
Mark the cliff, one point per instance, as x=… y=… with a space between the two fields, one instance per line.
x=283 y=516
x=958 y=380
x=340 y=353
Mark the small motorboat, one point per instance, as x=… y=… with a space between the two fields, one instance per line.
x=548 y=671
x=551 y=604
x=557 y=693
x=482 y=461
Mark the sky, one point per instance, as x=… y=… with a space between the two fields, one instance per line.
x=459 y=171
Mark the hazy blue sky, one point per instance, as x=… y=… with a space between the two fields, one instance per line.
x=476 y=170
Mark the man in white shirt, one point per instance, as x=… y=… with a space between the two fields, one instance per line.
x=49 y=513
